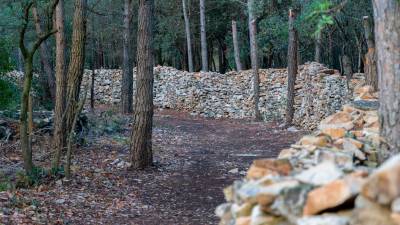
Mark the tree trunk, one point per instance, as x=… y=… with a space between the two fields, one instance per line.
x=236 y=46
x=76 y=65
x=292 y=68
x=24 y=127
x=204 y=56
x=141 y=144
x=387 y=37
x=371 y=73
x=59 y=135
x=28 y=55
x=188 y=37
x=254 y=58
x=317 y=57
x=127 y=72
x=45 y=58
x=347 y=68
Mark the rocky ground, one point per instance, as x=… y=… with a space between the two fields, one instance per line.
x=195 y=158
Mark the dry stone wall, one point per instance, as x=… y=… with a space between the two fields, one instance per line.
x=320 y=92
x=327 y=178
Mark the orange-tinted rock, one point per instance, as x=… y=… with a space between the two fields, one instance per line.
x=243 y=220
x=334 y=133
x=320 y=141
x=383 y=186
x=333 y=194
x=264 y=167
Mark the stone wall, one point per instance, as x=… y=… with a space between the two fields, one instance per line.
x=320 y=92
x=327 y=178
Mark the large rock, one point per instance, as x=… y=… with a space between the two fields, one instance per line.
x=264 y=167
x=383 y=186
x=332 y=195
x=321 y=174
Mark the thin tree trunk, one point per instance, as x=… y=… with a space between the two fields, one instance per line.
x=24 y=127
x=318 y=47
x=28 y=75
x=236 y=46
x=371 y=73
x=254 y=58
x=204 y=54
x=76 y=65
x=59 y=135
x=387 y=38
x=45 y=58
x=141 y=144
x=127 y=73
x=188 y=37
x=292 y=68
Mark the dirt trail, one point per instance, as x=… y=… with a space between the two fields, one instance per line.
x=195 y=159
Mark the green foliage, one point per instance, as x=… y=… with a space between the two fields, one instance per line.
x=5 y=58
x=38 y=176
x=9 y=95
x=317 y=13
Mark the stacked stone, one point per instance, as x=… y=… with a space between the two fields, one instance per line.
x=319 y=92
x=327 y=178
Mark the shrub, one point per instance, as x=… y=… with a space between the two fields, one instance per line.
x=9 y=95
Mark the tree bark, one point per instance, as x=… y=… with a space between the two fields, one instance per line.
x=254 y=58
x=127 y=72
x=188 y=37
x=292 y=68
x=59 y=135
x=49 y=80
x=141 y=140
x=371 y=73
x=204 y=54
x=317 y=56
x=28 y=55
x=236 y=46
x=77 y=60
x=387 y=37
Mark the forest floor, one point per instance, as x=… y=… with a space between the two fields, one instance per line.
x=195 y=158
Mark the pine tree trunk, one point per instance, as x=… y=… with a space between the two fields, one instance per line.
x=127 y=73
x=236 y=46
x=371 y=73
x=59 y=135
x=141 y=144
x=292 y=68
x=188 y=37
x=204 y=54
x=317 y=57
x=387 y=38
x=77 y=60
x=254 y=58
x=49 y=79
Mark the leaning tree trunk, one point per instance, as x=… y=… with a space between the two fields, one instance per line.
x=49 y=80
x=188 y=37
x=236 y=46
x=371 y=73
x=292 y=67
x=204 y=56
x=387 y=37
x=127 y=72
x=77 y=60
x=59 y=135
x=141 y=144
x=254 y=58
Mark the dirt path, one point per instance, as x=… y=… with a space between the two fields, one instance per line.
x=195 y=159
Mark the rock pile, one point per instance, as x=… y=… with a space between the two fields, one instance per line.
x=328 y=178
x=320 y=92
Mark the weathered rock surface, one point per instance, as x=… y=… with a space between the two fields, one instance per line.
x=333 y=179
